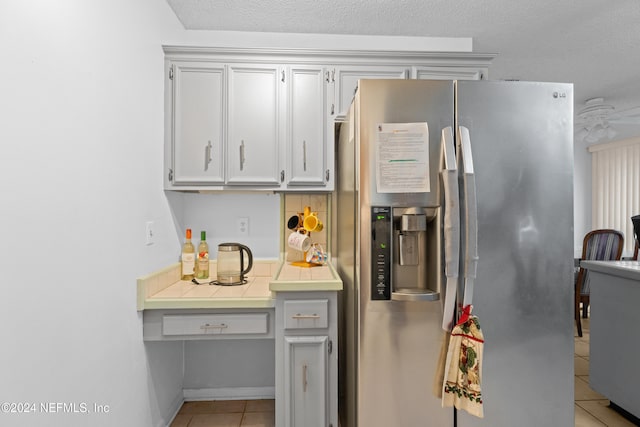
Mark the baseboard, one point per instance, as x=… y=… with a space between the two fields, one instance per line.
x=175 y=408
x=229 y=393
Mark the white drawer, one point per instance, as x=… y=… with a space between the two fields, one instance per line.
x=215 y=324
x=306 y=314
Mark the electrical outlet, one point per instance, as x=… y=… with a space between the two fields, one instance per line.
x=242 y=225
x=149 y=233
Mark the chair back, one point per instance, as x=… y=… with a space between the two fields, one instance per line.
x=635 y=220
x=599 y=245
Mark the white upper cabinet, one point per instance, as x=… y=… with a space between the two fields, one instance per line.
x=347 y=81
x=198 y=127
x=264 y=119
x=307 y=142
x=448 y=73
x=253 y=145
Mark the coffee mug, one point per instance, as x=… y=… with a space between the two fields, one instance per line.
x=312 y=223
x=316 y=255
x=294 y=222
x=299 y=241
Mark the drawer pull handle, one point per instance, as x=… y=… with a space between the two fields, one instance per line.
x=208 y=326
x=305 y=316
x=304 y=378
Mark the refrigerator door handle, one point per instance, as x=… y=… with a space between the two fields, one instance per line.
x=471 y=215
x=451 y=225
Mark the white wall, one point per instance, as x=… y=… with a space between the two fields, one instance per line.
x=217 y=214
x=581 y=194
x=81 y=133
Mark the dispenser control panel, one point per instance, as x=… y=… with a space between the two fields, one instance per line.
x=381 y=253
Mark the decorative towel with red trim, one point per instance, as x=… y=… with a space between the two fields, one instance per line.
x=463 y=368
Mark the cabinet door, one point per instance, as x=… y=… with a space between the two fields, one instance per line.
x=347 y=82
x=198 y=131
x=253 y=154
x=306 y=381
x=306 y=153
x=449 y=73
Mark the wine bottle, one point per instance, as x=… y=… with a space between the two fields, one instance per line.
x=188 y=258
x=202 y=268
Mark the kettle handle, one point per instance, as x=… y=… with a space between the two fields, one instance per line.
x=248 y=251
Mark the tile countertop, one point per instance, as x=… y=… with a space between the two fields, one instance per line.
x=303 y=279
x=164 y=289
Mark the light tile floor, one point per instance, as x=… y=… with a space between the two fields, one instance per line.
x=226 y=413
x=591 y=408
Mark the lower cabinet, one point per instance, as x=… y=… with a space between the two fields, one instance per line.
x=306 y=359
x=306 y=381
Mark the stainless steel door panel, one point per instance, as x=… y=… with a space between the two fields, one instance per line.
x=521 y=138
x=398 y=342
x=402 y=101
x=400 y=345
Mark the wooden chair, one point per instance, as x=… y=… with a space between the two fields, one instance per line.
x=635 y=220
x=598 y=245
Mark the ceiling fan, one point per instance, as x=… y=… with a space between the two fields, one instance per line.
x=593 y=122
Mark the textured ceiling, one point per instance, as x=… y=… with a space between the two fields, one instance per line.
x=591 y=43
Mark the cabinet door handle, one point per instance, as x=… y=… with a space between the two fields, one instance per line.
x=282 y=76
x=207 y=156
x=304 y=155
x=305 y=316
x=242 y=155
x=208 y=326
x=304 y=378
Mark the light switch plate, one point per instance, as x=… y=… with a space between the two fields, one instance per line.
x=149 y=233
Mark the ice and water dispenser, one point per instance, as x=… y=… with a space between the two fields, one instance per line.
x=405 y=244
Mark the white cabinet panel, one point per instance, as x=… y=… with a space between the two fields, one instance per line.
x=306 y=381
x=448 y=73
x=253 y=155
x=198 y=131
x=347 y=81
x=215 y=324
x=307 y=153
x=306 y=314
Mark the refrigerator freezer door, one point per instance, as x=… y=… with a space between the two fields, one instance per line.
x=398 y=342
x=521 y=139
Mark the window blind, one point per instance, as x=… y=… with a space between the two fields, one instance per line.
x=615 y=194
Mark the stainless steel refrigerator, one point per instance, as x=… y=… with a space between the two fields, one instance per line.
x=391 y=227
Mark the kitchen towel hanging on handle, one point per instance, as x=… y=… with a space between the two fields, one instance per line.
x=463 y=368
x=462 y=383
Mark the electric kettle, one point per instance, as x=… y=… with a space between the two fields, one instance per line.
x=231 y=268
